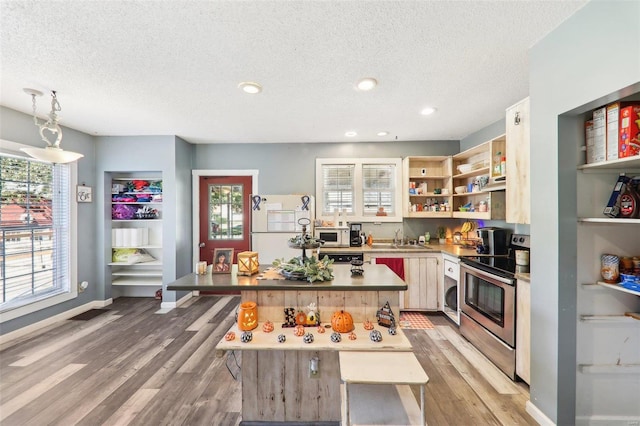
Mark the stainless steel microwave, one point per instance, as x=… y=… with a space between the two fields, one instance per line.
x=332 y=236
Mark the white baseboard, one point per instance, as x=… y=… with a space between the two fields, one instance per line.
x=168 y=306
x=538 y=415
x=612 y=420
x=95 y=304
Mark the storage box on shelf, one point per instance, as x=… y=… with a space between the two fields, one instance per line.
x=473 y=169
x=136 y=235
x=427 y=186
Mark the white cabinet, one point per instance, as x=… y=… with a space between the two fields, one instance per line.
x=449 y=291
x=427 y=186
x=135 y=254
x=480 y=163
x=518 y=192
x=423 y=275
x=523 y=329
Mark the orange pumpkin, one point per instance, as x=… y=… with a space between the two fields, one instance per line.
x=352 y=336
x=267 y=327
x=368 y=325
x=320 y=329
x=299 y=330
x=230 y=336
x=248 y=316
x=342 y=322
x=301 y=318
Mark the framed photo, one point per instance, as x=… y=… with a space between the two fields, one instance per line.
x=222 y=260
x=84 y=194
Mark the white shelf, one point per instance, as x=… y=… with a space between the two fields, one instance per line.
x=608 y=220
x=138 y=281
x=127 y=179
x=617 y=287
x=609 y=368
x=622 y=319
x=622 y=163
x=137 y=247
x=153 y=263
x=137 y=273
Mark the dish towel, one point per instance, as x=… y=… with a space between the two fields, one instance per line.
x=394 y=263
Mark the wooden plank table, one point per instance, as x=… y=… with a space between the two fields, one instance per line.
x=380 y=368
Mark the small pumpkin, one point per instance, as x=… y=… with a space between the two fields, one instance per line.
x=342 y=322
x=320 y=329
x=282 y=338
x=298 y=330
x=352 y=336
x=308 y=338
x=246 y=336
x=267 y=327
x=393 y=331
x=375 y=336
x=301 y=318
x=230 y=336
x=336 y=337
x=368 y=325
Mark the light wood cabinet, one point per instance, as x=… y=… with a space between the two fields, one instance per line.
x=469 y=167
x=423 y=275
x=421 y=177
x=518 y=202
x=523 y=330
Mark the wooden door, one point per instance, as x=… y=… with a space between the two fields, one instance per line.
x=225 y=215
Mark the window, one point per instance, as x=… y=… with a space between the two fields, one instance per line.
x=225 y=212
x=35 y=218
x=362 y=189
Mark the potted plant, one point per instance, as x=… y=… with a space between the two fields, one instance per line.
x=442 y=234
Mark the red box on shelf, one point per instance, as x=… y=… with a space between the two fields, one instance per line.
x=629 y=141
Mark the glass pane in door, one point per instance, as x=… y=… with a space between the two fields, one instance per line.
x=225 y=212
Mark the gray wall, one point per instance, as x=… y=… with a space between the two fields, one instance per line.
x=184 y=251
x=19 y=127
x=486 y=133
x=591 y=55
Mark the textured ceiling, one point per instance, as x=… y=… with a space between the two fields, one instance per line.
x=172 y=67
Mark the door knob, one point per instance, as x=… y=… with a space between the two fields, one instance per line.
x=201 y=245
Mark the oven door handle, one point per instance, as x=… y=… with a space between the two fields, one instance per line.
x=507 y=281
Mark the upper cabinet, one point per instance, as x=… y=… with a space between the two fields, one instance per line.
x=478 y=181
x=517 y=159
x=427 y=186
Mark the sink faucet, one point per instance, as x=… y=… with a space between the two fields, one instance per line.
x=396 y=239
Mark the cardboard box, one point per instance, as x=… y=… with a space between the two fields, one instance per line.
x=613 y=121
x=589 y=139
x=629 y=141
x=599 y=135
x=613 y=206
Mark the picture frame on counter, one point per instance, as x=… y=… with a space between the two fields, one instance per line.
x=222 y=260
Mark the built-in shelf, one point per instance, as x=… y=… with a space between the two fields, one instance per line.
x=609 y=368
x=608 y=220
x=153 y=263
x=137 y=202
x=136 y=220
x=623 y=319
x=137 y=281
x=475 y=172
x=617 y=287
x=137 y=273
x=622 y=163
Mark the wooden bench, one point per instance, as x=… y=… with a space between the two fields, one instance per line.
x=386 y=402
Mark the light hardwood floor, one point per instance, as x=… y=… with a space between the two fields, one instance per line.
x=132 y=366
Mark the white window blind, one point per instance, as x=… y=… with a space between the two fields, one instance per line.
x=338 y=188
x=35 y=227
x=378 y=188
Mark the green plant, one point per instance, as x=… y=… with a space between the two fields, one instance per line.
x=442 y=232
x=310 y=268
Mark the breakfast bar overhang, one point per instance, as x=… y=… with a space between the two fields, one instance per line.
x=276 y=383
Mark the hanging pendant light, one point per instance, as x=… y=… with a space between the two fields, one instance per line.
x=52 y=152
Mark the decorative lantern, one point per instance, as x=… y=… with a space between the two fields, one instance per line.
x=248 y=316
x=248 y=263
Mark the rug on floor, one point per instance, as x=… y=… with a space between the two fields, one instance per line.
x=415 y=320
x=91 y=313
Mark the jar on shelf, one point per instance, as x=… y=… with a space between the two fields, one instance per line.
x=610 y=268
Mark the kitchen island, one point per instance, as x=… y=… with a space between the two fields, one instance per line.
x=276 y=383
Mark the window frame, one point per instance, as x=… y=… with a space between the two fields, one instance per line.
x=70 y=291
x=358 y=199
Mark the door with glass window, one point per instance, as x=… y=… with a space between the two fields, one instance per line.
x=224 y=215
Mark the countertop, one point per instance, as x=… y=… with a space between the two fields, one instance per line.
x=452 y=249
x=375 y=278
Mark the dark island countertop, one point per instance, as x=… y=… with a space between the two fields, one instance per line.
x=375 y=278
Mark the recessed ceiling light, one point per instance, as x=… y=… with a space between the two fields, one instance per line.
x=367 y=83
x=428 y=111
x=383 y=133
x=350 y=134
x=250 y=87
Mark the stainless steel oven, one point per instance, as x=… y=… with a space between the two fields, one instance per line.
x=488 y=304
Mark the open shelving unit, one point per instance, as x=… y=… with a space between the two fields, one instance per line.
x=136 y=229
x=430 y=173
